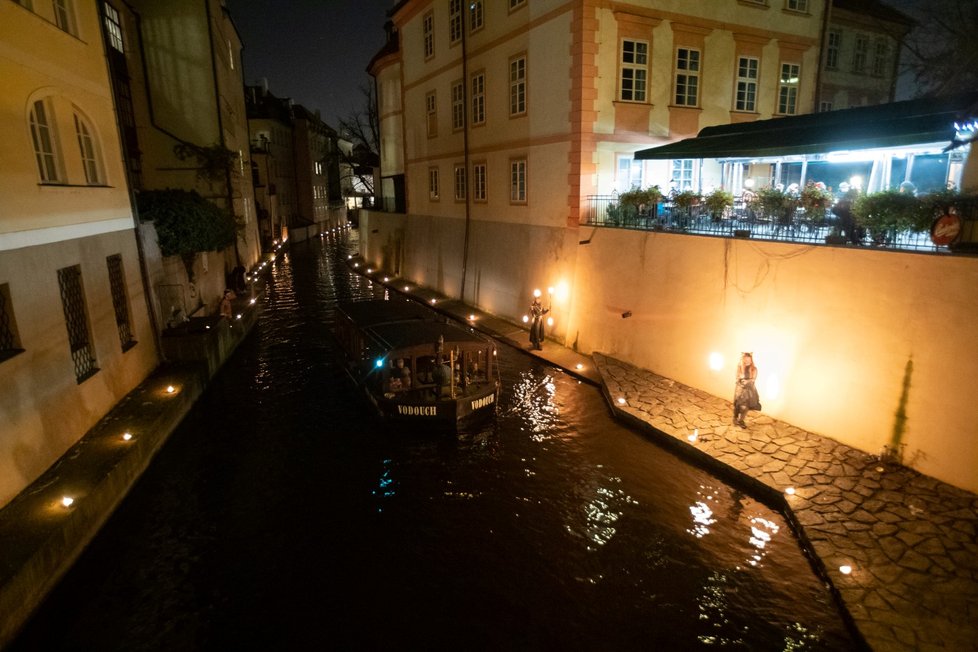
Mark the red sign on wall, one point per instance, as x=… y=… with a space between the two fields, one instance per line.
x=945 y=229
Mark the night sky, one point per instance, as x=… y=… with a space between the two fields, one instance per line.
x=314 y=51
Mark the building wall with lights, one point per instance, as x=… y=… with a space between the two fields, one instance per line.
x=75 y=331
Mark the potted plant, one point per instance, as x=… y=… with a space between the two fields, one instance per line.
x=776 y=205
x=815 y=199
x=717 y=203
x=634 y=203
x=884 y=214
x=682 y=204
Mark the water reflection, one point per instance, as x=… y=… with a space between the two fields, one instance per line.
x=702 y=513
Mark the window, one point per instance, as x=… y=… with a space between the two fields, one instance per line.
x=433 y=183
x=89 y=153
x=120 y=302
x=517 y=181
x=516 y=4
x=634 y=70
x=9 y=342
x=428 y=30
x=458 y=105
x=479 y=99
x=880 y=57
x=62 y=15
x=824 y=106
x=859 y=53
x=479 y=182
x=477 y=15
x=746 y=99
x=113 y=26
x=517 y=86
x=629 y=174
x=833 y=46
x=797 y=5
x=459 y=183
x=454 y=21
x=682 y=175
x=687 y=76
x=788 y=88
x=45 y=144
x=430 y=106
x=25 y=3
x=76 y=320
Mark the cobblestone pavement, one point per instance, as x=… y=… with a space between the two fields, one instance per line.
x=909 y=539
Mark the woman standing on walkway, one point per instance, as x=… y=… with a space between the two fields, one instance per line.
x=745 y=392
x=537 y=311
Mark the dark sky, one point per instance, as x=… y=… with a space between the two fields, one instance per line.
x=314 y=51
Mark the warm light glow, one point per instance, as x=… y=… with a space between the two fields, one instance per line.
x=550 y=290
x=170 y=389
x=579 y=366
x=621 y=400
x=434 y=301
x=772 y=387
x=238 y=316
x=407 y=288
x=349 y=257
x=695 y=435
x=845 y=569
x=561 y=292
x=790 y=491
x=471 y=317
x=748 y=183
x=370 y=271
x=716 y=361
x=550 y=321
x=526 y=319
x=356 y=265
x=387 y=278
x=67 y=501
x=252 y=302
x=126 y=436
x=856 y=182
x=537 y=293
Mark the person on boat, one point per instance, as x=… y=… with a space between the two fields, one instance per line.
x=403 y=373
x=745 y=392
x=537 y=311
x=226 y=303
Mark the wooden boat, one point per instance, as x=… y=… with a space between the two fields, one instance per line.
x=417 y=368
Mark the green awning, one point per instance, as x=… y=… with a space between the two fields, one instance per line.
x=914 y=122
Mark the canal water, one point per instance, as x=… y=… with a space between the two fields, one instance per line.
x=283 y=516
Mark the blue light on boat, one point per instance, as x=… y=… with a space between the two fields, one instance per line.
x=379 y=363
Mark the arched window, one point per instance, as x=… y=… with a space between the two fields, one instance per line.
x=88 y=147
x=45 y=142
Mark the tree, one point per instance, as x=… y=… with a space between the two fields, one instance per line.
x=941 y=52
x=362 y=129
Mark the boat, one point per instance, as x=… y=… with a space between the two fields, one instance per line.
x=416 y=367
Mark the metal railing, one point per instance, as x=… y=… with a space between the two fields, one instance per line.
x=742 y=221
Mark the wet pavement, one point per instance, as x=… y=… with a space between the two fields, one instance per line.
x=899 y=548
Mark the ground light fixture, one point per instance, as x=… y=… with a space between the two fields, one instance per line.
x=407 y=288
x=67 y=501
x=845 y=569
x=579 y=366
x=471 y=317
x=434 y=301
x=790 y=491
x=127 y=436
x=696 y=434
x=170 y=389
x=621 y=400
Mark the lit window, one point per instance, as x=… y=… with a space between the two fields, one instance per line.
x=630 y=173
x=45 y=143
x=479 y=182
x=479 y=99
x=432 y=183
x=517 y=183
x=460 y=183
x=430 y=106
x=428 y=31
x=113 y=27
x=859 y=53
x=634 y=70
x=458 y=105
x=746 y=84
x=687 y=76
x=89 y=152
x=517 y=86
x=788 y=88
x=477 y=15
x=682 y=174
x=832 y=50
x=454 y=21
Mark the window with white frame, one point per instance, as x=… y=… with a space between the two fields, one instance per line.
x=433 y=183
x=478 y=98
x=797 y=5
x=683 y=177
x=91 y=161
x=517 y=180
x=113 y=26
x=687 y=76
x=630 y=174
x=633 y=80
x=480 y=191
x=788 y=88
x=62 y=15
x=860 y=52
x=428 y=32
x=832 y=47
x=454 y=21
x=824 y=106
x=881 y=56
x=517 y=86
x=45 y=142
x=431 y=114
x=458 y=105
x=459 y=183
x=477 y=15
x=746 y=99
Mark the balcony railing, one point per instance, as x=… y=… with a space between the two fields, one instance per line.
x=742 y=221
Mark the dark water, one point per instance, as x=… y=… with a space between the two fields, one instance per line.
x=282 y=516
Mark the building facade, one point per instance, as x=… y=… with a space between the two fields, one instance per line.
x=75 y=329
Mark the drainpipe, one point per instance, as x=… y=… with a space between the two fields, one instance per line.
x=465 y=157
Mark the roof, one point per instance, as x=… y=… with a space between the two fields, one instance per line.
x=913 y=122
x=873 y=8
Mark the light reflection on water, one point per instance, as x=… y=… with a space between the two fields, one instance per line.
x=554 y=528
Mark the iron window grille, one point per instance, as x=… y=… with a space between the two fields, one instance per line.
x=76 y=320
x=120 y=302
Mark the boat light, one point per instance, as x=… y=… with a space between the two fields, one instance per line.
x=379 y=362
